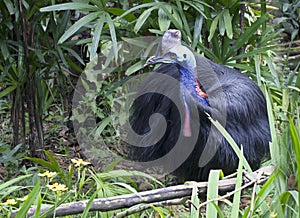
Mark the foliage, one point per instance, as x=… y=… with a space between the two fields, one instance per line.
x=61 y=37
x=79 y=182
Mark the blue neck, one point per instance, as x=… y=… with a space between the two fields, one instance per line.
x=188 y=80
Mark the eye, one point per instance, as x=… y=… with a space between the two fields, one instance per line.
x=184 y=55
x=173 y=56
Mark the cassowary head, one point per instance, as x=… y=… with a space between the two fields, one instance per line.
x=184 y=59
x=179 y=55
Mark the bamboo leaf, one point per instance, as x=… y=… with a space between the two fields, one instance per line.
x=6 y=91
x=257 y=69
x=76 y=26
x=70 y=6
x=97 y=35
x=213 y=27
x=249 y=32
x=142 y=18
x=174 y=17
x=186 y=26
x=228 y=24
x=113 y=36
x=135 y=67
x=163 y=20
x=147 y=5
x=221 y=24
x=197 y=31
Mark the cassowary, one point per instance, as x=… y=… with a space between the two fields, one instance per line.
x=204 y=89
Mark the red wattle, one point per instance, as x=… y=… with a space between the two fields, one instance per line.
x=187 y=127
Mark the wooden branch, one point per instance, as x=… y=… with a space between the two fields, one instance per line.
x=141 y=207
x=156 y=197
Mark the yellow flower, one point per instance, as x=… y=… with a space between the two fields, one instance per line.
x=80 y=162
x=10 y=202
x=23 y=198
x=56 y=187
x=47 y=174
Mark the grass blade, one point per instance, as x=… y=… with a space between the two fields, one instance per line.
x=195 y=210
x=237 y=195
x=212 y=193
x=232 y=143
x=33 y=195
x=296 y=145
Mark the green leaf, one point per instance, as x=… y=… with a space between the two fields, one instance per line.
x=174 y=17
x=113 y=36
x=221 y=25
x=197 y=31
x=212 y=193
x=273 y=70
x=195 y=209
x=296 y=145
x=228 y=24
x=234 y=146
x=135 y=67
x=4 y=50
x=77 y=25
x=186 y=26
x=147 y=5
x=33 y=195
x=89 y=203
x=255 y=51
x=102 y=126
x=142 y=18
x=70 y=6
x=119 y=12
x=10 y=7
x=257 y=69
x=213 y=27
x=249 y=32
x=97 y=35
x=163 y=20
x=237 y=195
x=12 y=181
x=6 y=91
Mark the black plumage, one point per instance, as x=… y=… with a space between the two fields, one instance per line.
x=232 y=98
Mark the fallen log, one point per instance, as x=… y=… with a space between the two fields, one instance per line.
x=159 y=196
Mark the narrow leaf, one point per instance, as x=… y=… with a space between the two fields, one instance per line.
x=250 y=31
x=228 y=24
x=212 y=193
x=33 y=195
x=6 y=91
x=142 y=19
x=76 y=26
x=70 y=6
x=113 y=36
x=213 y=27
x=97 y=35
x=237 y=195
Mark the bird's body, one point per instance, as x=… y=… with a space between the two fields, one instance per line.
x=244 y=115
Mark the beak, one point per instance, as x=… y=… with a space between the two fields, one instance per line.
x=157 y=60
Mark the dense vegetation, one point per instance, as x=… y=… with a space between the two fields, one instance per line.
x=47 y=45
